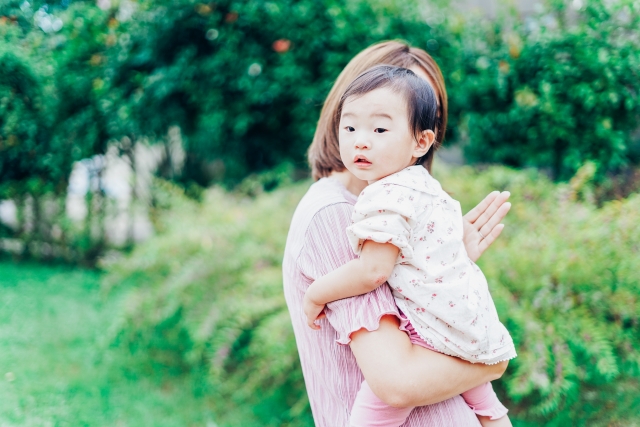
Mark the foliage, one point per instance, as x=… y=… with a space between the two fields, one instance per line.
x=121 y=72
x=47 y=117
x=565 y=284
x=208 y=291
x=552 y=91
x=243 y=80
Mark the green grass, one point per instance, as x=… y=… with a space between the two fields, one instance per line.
x=57 y=369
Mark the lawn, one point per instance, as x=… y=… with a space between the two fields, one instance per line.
x=56 y=365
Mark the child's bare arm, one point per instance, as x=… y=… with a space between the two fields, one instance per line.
x=356 y=277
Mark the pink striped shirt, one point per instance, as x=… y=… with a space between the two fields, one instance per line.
x=317 y=244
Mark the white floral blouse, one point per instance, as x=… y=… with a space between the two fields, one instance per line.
x=443 y=293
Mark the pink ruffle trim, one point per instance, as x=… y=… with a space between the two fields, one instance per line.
x=344 y=335
x=494 y=413
x=362 y=312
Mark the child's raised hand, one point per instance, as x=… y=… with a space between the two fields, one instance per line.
x=313 y=311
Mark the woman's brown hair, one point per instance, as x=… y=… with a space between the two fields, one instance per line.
x=324 y=152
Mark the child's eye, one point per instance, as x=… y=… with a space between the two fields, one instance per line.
x=380 y=130
x=350 y=129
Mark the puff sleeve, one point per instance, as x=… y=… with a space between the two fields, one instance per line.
x=384 y=213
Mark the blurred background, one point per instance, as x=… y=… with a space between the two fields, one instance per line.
x=152 y=153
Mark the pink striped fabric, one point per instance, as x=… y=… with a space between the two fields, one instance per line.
x=317 y=244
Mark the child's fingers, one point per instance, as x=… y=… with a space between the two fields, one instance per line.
x=312 y=324
x=311 y=321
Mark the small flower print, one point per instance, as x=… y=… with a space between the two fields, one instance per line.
x=439 y=279
x=451 y=304
x=440 y=241
x=430 y=227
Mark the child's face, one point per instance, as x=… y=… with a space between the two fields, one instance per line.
x=375 y=138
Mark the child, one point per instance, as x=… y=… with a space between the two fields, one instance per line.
x=408 y=232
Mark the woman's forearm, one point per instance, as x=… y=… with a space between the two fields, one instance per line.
x=403 y=375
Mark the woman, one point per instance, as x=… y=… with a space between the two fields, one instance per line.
x=363 y=336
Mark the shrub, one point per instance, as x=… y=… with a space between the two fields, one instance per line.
x=552 y=91
x=208 y=288
x=207 y=292
x=565 y=285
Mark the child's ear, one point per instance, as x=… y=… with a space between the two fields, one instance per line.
x=424 y=141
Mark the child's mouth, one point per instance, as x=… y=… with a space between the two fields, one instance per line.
x=362 y=161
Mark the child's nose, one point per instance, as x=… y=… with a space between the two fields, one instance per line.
x=362 y=142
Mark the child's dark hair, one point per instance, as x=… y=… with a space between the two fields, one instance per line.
x=422 y=104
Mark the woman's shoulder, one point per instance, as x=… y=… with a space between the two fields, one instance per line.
x=327 y=205
x=323 y=194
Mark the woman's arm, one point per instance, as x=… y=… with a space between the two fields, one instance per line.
x=402 y=374
x=357 y=277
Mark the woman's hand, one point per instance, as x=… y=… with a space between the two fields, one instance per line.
x=313 y=311
x=482 y=225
